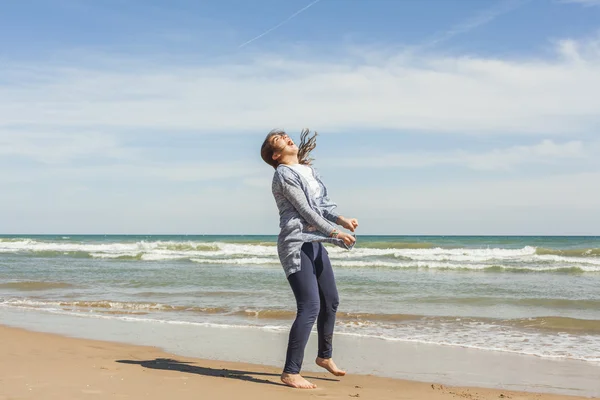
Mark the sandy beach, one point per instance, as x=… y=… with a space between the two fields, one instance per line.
x=47 y=366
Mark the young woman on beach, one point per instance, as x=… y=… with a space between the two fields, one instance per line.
x=306 y=221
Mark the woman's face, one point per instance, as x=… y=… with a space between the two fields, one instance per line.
x=283 y=145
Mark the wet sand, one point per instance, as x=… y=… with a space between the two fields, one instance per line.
x=36 y=365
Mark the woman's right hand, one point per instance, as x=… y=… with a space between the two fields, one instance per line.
x=349 y=223
x=348 y=239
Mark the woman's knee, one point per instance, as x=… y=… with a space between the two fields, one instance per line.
x=331 y=303
x=309 y=309
x=335 y=302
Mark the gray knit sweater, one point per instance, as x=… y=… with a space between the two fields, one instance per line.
x=302 y=218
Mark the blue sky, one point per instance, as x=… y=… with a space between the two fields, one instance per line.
x=434 y=117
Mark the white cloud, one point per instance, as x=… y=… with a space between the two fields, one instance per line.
x=474 y=95
x=81 y=156
x=52 y=147
x=545 y=152
x=143 y=171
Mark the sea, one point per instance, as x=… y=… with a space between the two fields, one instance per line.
x=529 y=295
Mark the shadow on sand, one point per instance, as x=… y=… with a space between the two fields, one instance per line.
x=184 y=366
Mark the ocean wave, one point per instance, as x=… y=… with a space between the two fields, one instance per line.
x=237 y=261
x=525 y=254
x=483 y=253
x=395 y=245
x=560 y=324
x=465 y=267
x=419 y=265
x=158 y=249
x=398 y=256
x=554 y=324
x=548 y=303
x=545 y=337
x=565 y=348
x=86 y=305
x=547 y=323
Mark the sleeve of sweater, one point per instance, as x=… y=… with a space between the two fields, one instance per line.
x=294 y=194
x=328 y=212
x=330 y=216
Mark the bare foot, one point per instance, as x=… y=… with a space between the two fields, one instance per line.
x=330 y=366
x=296 y=381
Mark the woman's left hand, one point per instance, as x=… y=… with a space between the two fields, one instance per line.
x=349 y=223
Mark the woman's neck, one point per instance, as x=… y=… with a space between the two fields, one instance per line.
x=289 y=160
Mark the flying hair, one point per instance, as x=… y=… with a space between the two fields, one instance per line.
x=307 y=144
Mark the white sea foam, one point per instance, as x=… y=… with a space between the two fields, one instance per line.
x=480 y=336
x=474 y=254
x=524 y=258
x=157 y=249
x=238 y=261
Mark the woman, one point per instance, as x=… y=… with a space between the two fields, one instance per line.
x=306 y=220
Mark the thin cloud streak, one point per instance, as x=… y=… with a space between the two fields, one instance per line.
x=481 y=19
x=288 y=19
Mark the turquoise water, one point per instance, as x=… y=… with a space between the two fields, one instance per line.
x=526 y=295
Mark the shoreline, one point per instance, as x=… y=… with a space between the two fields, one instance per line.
x=67 y=367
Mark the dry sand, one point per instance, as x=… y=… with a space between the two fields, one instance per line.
x=46 y=366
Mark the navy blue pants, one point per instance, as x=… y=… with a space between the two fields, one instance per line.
x=316 y=299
